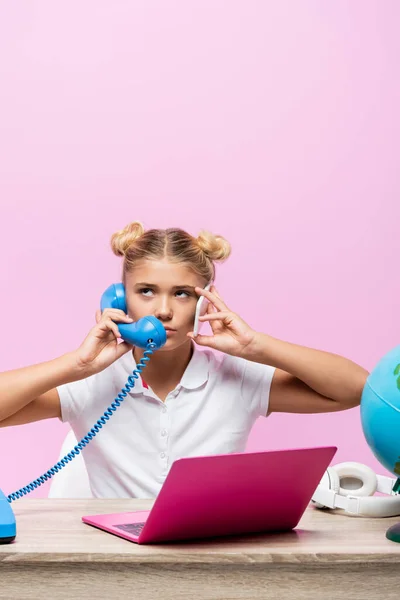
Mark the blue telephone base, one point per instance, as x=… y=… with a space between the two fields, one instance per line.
x=8 y=529
x=7 y=540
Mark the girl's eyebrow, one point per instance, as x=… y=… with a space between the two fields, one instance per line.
x=176 y=287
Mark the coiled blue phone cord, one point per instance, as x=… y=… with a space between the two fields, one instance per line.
x=95 y=429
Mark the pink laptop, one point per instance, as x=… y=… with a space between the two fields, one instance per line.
x=225 y=494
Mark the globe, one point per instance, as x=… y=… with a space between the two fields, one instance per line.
x=380 y=418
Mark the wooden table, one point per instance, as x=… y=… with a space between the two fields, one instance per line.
x=328 y=556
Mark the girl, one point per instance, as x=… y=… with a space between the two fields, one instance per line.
x=189 y=401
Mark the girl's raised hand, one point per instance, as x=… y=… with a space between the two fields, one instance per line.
x=231 y=334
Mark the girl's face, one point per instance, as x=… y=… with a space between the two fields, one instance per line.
x=166 y=291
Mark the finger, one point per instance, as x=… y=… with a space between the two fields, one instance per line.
x=210 y=308
x=215 y=325
x=115 y=315
x=98 y=315
x=115 y=331
x=203 y=340
x=216 y=300
x=220 y=316
x=215 y=291
x=123 y=348
x=111 y=326
x=114 y=311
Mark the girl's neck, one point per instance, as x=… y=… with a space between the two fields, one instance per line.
x=165 y=367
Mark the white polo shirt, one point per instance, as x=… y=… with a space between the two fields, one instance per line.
x=211 y=411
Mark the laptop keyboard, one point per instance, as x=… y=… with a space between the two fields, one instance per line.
x=134 y=528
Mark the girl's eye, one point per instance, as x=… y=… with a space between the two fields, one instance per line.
x=178 y=292
x=144 y=290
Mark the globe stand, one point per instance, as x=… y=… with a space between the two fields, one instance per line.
x=393 y=533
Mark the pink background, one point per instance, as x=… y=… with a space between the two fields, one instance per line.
x=275 y=124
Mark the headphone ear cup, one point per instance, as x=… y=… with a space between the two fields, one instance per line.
x=330 y=480
x=356 y=479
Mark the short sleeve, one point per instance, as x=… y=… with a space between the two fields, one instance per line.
x=73 y=398
x=256 y=386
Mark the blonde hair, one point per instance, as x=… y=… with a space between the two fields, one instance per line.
x=134 y=243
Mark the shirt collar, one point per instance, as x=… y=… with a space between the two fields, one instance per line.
x=195 y=375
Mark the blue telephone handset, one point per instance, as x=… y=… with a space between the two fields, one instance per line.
x=149 y=333
x=139 y=333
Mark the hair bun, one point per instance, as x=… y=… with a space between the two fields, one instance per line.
x=121 y=240
x=216 y=247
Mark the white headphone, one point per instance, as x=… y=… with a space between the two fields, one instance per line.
x=351 y=486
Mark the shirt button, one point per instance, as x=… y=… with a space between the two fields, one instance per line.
x=163 y=433
x=164 y=409
x=162 y=454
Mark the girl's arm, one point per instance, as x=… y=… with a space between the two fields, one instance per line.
x=307 y=380
x=28 y=394
x=20 y=387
